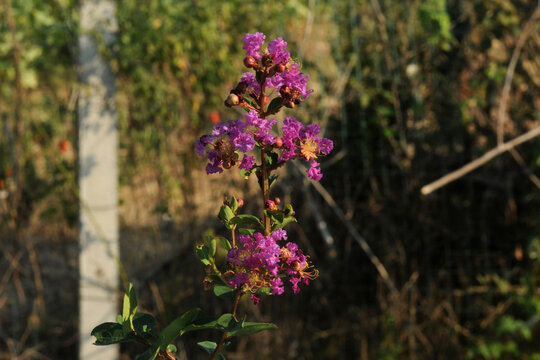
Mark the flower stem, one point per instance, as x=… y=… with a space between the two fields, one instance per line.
x=265 y=190
x=226 y=335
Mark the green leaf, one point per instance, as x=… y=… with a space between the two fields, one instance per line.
x=247 y=174
x=286 y=221
x=208 y=346
x=204 y=254
x=226 y=323
x=271 y=159
x=172 y=348
x=211 y=243
x=149 y=354
x=250 y=102
x=247 y=220
x=274 y=106
x=217 y=280
x=259 y=77
x=129 y=309
x=276 y=217
x=225 y=215
x=176 y=328
x=251 y=328
x=224 y=292
x=288 y=210
x=225 y=243
x=110 y=333
x=247 y=231
x=144 y=324
x=264 y=291
x=272 y=180
x=234 y=204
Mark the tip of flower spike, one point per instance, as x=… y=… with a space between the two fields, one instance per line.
x=270 y=205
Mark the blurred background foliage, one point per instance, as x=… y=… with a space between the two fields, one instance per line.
x=408 y=91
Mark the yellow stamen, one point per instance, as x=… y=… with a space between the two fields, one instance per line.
x=309 y=149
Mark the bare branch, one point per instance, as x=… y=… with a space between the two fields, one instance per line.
x=454 y=175
x=354 y=233
x=510 y=74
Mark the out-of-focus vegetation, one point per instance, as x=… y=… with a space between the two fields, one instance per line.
x=408 y=91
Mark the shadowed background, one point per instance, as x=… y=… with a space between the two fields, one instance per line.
x=408 y=91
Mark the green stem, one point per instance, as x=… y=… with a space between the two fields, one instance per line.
x=226 y=335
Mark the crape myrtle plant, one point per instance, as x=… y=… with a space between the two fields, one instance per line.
x=261 y=259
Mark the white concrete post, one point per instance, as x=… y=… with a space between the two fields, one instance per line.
x=98 y=178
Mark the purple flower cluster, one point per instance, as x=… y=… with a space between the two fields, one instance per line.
x=233 y=137
x=261 y=263
x=300 y=141
x=228 y=140
x=288 y=81
x=252 y=44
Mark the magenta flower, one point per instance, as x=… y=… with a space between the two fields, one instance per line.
x=252 y=85
x=314 y=171
x=276 y=48
x=259 y=262
x=247 y=162
x=252 y=44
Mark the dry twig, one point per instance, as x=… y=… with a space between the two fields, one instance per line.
x=354 y=233
x=454 y=175
x=510 y=74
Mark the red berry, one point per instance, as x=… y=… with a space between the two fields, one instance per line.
x=214 y=117
x=64 y=144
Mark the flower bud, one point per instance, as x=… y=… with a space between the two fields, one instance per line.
x=251 y=62
x=227 y=164
x=266 y=59
x=240 y=203
x=277 y=200
x=280 y=68
x=285 y=91
x=288 y=104
x=285 y=254
x=278 y=142
x=232 y=100
x=295 y=265
x=270 y=205
x=207 y=284
x=240 y=88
